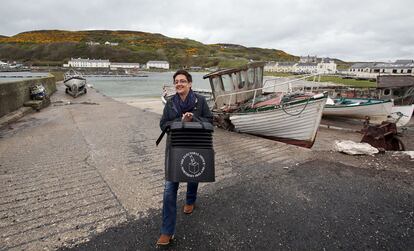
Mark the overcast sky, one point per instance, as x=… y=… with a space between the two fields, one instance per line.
x=351 y=30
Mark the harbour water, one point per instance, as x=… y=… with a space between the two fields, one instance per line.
x=19 y=76
x=141 y=87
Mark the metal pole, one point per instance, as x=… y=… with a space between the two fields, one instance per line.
x=254 y=97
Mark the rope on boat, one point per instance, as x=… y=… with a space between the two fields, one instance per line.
x=297 y=114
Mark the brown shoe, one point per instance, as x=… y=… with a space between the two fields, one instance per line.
x=164 y=240
x=188 y=209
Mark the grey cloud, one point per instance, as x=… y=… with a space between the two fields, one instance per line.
x=350 y=30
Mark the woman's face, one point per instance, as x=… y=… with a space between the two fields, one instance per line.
x=182 y=86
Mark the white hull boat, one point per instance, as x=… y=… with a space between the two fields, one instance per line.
x=401 y=114
x=296 y=123
x=75 y=83
x=375 y=110
x=290 y=117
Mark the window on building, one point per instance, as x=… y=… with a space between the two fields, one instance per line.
x=409 y=71
x=387 y=92
x=394 y=71
x=402 y=71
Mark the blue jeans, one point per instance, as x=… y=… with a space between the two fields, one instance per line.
x=169 y=207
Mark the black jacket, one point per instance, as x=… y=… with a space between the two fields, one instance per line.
x=200 y=112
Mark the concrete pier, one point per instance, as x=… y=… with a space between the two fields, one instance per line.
x=15 y=93
x=85 y=173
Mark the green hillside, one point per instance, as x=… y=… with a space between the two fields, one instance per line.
x=55 y=47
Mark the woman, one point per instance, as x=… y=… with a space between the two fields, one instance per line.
x=186 y=106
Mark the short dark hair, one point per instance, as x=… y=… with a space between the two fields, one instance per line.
x=185 y=73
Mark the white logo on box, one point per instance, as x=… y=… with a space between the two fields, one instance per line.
x=193 y=164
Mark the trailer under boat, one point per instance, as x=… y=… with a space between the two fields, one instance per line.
x=239 y=105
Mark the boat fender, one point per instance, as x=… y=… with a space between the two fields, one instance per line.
x=319 y=95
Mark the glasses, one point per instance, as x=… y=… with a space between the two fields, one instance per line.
x=181 y=81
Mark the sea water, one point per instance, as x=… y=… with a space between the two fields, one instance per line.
x=142 y=87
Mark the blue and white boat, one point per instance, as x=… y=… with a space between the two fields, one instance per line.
x=376 y=110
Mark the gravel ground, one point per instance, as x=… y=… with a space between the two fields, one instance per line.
x=317 y=205
x=333 y=201
x=87 y=175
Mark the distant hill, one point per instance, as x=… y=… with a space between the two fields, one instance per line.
x=55 y=47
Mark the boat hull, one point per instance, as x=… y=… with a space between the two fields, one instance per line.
x=296 y=124
x=377 y=112
x=401 y=114
x=75 y=86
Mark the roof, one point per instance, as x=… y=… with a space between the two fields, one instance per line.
x=232 y=70
x=397 y=64
x=363 y=65
x=287 y=63
x=307 y=64
x=404 y=61
x=394 y=65
x=124 y=63
x=157 y=62
x=384 y=81
x=89 y=60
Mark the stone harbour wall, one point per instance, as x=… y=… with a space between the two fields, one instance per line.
x=14 y=94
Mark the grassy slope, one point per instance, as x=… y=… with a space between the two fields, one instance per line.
x=54 y=47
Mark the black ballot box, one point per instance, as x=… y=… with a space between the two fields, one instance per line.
x=189 y=153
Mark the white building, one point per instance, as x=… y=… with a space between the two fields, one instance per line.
x=280 y=67
x=308 y=59
x=373 y=69
x=158 y=64
x=115 y=66
x=306 y=68
x=91 y=43
x=88 y=63
x=111 y=44
x=270 y=66
x=326 y=66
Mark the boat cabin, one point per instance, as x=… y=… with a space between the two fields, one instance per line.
x=397 y=87
x=237 y=85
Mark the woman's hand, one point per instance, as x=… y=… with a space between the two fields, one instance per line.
x=187 y=117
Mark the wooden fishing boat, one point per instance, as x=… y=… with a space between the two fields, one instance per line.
x=292 y=118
